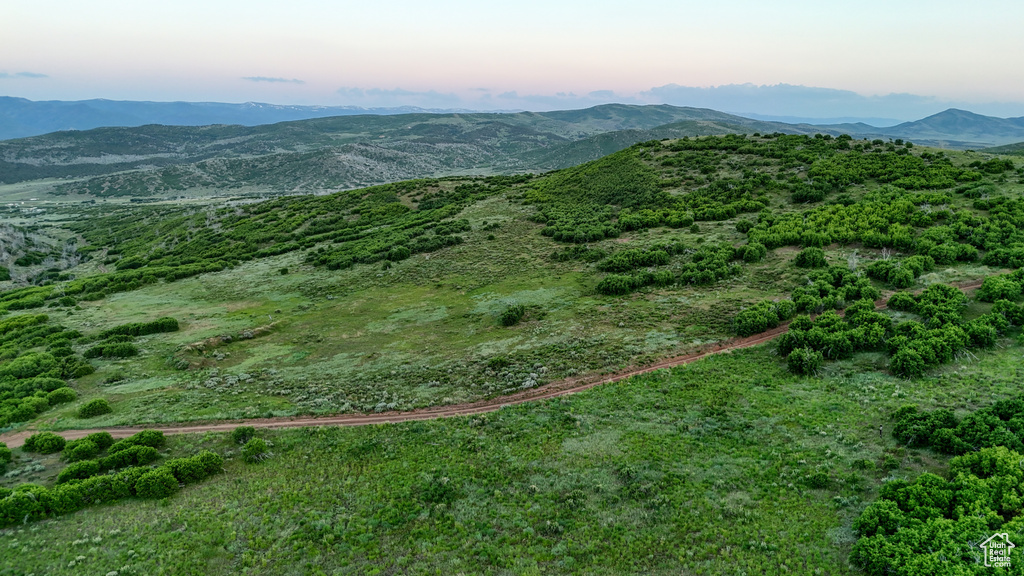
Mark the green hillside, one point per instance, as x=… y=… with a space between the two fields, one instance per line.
x=443 y=291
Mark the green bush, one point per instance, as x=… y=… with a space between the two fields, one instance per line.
x=120 y=350
x=999 y=288
x=152 y=438
x=95 y=407
x=195 y=468
x=908 y=363
x=811 y=258
x=255 y=450
x=21 y=506
x=817 y=480
x=81 y=449
x=186 y=470
x=5 y=458
x=61 y=395
x=137 y=455
x=158 y=483
x=754 y=252
x=242 y=434
x=904 y=301
x=143 y=328
x=78 y=471
x=804 y=361
x=512 y=315
x=44 y=443
x=103 y=440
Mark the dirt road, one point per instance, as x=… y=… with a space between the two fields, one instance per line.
x=552 y=390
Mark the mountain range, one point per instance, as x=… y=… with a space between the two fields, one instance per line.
x=350 y=151
x=20 y=117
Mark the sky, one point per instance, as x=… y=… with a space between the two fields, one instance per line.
x=821 y=58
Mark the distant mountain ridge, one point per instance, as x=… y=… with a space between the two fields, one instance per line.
x=21 y=118
x=965 y=126
x=433 y=143
x=351 y=151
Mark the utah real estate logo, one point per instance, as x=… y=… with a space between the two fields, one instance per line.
x=997 y=551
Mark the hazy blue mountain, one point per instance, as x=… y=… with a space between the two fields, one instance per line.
x=962 y=126
x=20 y=118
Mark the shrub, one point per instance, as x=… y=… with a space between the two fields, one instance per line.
x=120 y=350
x=817 y=480
x=158 y=483
x=512 y=315
x=78 y=471
x=44 y=443
x=811 y=258
x=61 y=395
x=93 y=408
x=195 y=468
x=152 y=438
x=242 y=434
x=754 y=252
x=21 y=506
x=255 y=450
x=137 y=455
x=804 y=361
x=998 y=288
x=211 y=462
x=5 y=457
x=82 y=449
x=142 y=328
x=908 y=363
x=901 y=277
x=103 y=440
x=904 y=301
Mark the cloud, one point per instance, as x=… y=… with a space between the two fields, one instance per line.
x=273 y=80
x=7 y=76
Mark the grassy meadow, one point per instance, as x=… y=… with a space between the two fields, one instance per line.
x=445 y=291
x=704 y=469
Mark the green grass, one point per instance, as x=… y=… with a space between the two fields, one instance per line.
x=697 y=470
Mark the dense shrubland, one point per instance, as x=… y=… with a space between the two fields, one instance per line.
x=38 y=359
x=913 y=346
x=93 y=478
x=100 y=470
x=36 y=362
x=981 y=495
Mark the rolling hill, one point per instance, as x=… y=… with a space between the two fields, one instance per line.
x=833 y=447
x=349 y=151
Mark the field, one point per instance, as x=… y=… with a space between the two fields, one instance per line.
x=447 y=291
x=702 y=469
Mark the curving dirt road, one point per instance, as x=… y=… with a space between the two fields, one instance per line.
x=553 y=390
